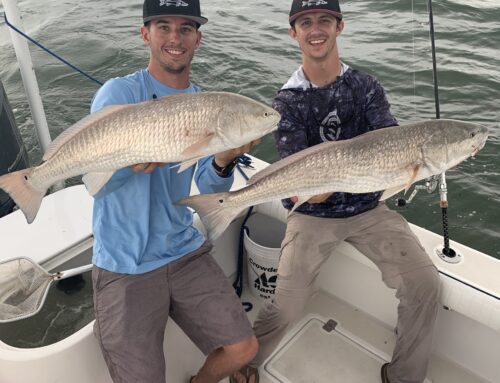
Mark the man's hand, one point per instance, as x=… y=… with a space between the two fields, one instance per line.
x=315 y=199
x=147 y=167
x=225 y=158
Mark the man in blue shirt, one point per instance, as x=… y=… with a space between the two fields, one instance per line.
x=150 y=261
x=326 y=100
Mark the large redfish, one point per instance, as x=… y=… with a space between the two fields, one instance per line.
x=178 y=128
x=389 y=159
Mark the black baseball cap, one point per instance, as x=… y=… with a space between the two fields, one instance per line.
x=301 y=7
x=189 y=9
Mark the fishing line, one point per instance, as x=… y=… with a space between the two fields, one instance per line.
x=449 y=254
x=434 y=63
x=413 y=57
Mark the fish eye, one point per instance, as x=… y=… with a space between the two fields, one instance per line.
x=472 y=135
x=266 y=114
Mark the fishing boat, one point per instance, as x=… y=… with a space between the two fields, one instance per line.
x=345 y=334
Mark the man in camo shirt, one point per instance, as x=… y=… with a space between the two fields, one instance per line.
x=326 y=100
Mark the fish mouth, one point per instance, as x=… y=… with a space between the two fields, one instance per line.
x=475 y=150
x=271 y=127
x=480 y=140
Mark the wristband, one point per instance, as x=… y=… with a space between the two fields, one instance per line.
x=226 y=171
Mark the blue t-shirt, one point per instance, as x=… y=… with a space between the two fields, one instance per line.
x=137 y=227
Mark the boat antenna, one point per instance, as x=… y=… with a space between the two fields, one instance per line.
x=447 y=254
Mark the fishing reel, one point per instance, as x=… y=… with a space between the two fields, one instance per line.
x=430 y=186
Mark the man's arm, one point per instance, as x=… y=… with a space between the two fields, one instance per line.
x=208 y=181
x=211 y=177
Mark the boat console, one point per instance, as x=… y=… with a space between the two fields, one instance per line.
x=13 y=155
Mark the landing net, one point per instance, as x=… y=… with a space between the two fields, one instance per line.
x=23 y=287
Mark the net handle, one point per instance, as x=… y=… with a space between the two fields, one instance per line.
x=71 y=272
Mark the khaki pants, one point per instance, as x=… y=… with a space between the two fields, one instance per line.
x=385 y=238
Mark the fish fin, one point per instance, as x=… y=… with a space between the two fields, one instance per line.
x=224 y=138
x=301 y=200
x=219 y=131
x=26 y=197
x=95 y=181
x=392 y=191
x=214 y=215
x=413 y=169
x=199 y=146
x=79 y=126
x=184 y=165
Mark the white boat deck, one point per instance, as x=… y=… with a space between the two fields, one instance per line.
x=353 y=352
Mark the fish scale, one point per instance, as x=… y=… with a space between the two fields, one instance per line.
x=337 y=166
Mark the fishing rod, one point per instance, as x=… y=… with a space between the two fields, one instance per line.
x=447 y=254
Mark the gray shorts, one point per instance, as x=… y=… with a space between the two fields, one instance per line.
x=132 y=312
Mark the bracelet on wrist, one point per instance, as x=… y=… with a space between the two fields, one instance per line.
x=225 y=171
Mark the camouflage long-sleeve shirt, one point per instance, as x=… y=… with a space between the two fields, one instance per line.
x=352 y=105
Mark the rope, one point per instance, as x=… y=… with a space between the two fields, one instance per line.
x=238 y=282
x=49 y=51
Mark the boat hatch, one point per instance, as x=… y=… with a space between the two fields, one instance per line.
x=321 y=351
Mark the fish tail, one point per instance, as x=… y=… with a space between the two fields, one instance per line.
x=26 y=197
x=214 y=215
